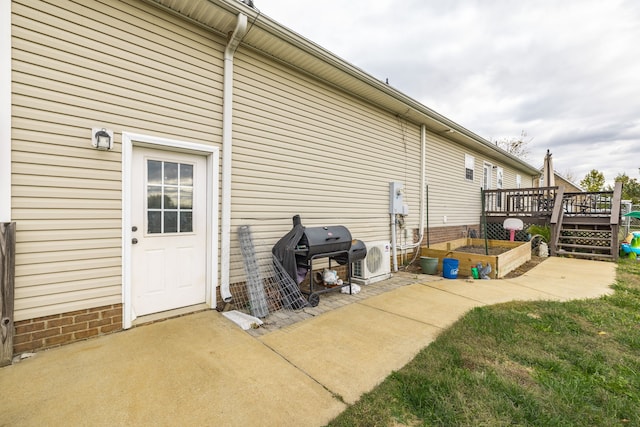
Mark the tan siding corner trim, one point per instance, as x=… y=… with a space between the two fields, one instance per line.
x=5 y=111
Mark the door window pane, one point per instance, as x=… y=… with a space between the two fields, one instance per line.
x=186 y=174
x=186 y=222
x=170 y=222
x=154 y=172
x=169 y=197
x=154 y=197
x=170 y=173
x=154 y=221
x=186 y=198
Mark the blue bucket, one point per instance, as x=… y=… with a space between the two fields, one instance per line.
x=450 y=268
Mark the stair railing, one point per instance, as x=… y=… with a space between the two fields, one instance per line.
x=615 y=219
x=557 y=216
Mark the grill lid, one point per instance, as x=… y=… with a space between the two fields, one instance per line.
x=319 y=240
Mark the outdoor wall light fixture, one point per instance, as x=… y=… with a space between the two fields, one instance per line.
x=102 y=139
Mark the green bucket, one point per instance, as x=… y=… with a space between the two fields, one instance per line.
x=429 y=265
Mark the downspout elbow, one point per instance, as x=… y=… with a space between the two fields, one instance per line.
x=227 y=148
x=236 y=37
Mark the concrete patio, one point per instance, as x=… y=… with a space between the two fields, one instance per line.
x=300 y=370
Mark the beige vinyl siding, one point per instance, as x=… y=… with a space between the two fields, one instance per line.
x=302 y=147
x=510 y=177
x=123 y=65
x=450 y=193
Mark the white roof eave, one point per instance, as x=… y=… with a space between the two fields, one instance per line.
x=274 y=40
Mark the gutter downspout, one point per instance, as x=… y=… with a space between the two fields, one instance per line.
x=423 y=187
x=394 y=237
x=227 y=146
x=423 y=180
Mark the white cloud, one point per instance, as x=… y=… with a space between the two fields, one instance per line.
x=565 y=72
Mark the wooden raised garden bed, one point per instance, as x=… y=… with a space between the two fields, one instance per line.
x=504 y=256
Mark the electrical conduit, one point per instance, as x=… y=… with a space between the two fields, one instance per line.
x=423 y=188
x=227 y=145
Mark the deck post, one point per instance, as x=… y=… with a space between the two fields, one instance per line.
x=616 y=202
x=484 y=222
x=556 y=221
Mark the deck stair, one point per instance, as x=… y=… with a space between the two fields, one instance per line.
x=585 y=225
x=582 y=240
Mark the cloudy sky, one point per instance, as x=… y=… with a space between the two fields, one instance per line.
x=566 y=73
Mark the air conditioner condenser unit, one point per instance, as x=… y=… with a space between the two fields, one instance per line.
x=375 y=266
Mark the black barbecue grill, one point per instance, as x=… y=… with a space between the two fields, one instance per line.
x=298 y=249
x=323 y=240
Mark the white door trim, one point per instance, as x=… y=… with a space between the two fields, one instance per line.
x=487 y=176
x=129 y=140
x=5 y=111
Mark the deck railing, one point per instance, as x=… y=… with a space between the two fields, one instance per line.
x=592 y=203
x=538 y=201
x=595 y=212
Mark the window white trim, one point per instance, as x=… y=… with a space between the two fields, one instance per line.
x=213 y=173
x=499 y=177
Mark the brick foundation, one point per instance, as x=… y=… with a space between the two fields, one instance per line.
x=58 y=329
x=444 y=234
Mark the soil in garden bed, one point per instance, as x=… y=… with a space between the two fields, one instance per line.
x=535 y=260
x=497 y=250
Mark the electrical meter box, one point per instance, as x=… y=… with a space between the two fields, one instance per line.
x=396 y=199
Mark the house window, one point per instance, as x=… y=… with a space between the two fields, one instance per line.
x=518 y=181
x=469 y=164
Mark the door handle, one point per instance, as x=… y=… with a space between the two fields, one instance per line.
x=134 y=241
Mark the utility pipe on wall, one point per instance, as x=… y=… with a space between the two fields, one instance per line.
x=394 y=253
x=227 y=145
x=423 y=179
x=423 y=210
x=423 y=188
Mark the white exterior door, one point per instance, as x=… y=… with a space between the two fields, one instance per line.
x=168 y=230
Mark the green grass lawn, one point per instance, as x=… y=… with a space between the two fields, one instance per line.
x=523 y=363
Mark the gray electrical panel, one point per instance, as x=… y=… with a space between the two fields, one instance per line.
x=396 y=199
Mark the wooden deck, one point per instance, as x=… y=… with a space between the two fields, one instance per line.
x=583 y=224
